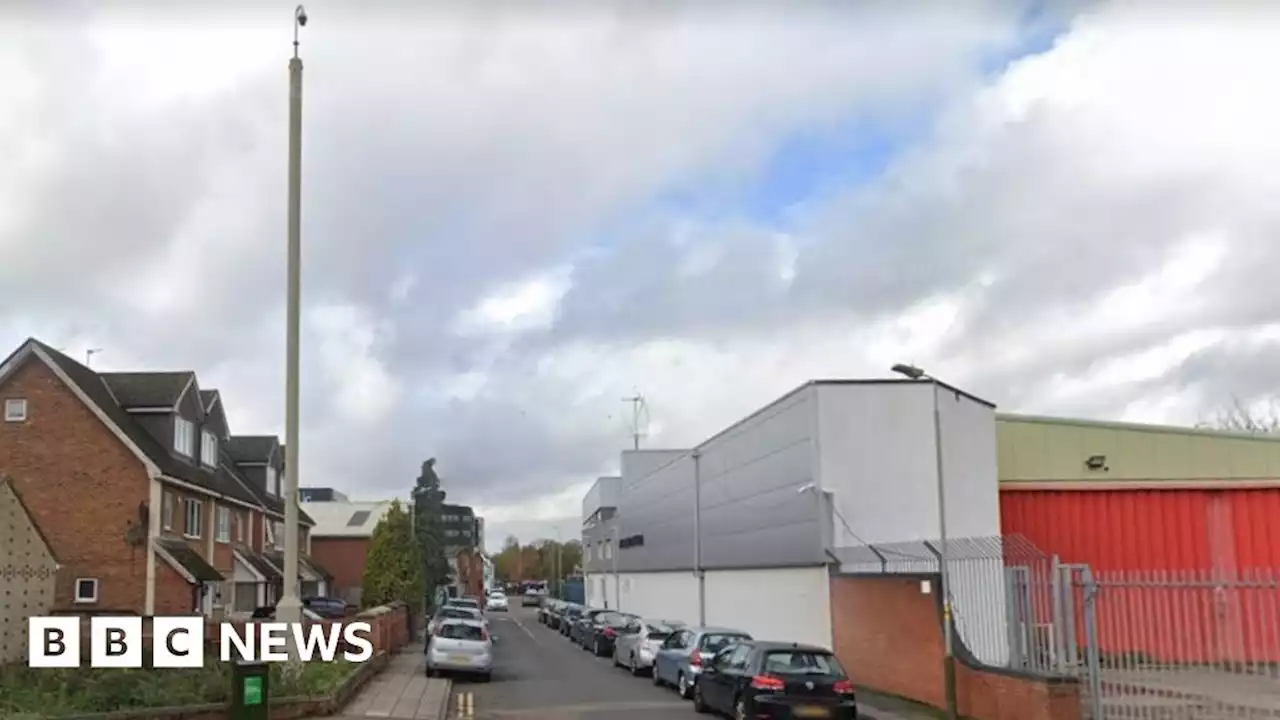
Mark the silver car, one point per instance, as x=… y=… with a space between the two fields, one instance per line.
x=461 y=646
x=636 y=649
x=682 y=656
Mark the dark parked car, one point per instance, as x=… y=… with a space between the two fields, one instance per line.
x=325 y=607
x=546 y=609
x=606 y=628
x=773 y=679
x=567 y=618
x=583 y=629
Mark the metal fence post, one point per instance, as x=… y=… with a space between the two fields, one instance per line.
x=1093 y=661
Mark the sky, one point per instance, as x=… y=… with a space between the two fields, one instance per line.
x=515 y=218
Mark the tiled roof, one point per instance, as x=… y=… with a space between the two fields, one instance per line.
x=189 y=559
x=207 y=397
x=225 y=480
x=259 y=562
x=147 y=389
x=346 y=519
x=252 y=448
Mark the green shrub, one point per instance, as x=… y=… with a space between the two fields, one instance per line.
x=52 y=692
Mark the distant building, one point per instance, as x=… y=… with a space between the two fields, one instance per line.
x=340 y=540
x=307 y=495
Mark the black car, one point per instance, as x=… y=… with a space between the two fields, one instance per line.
x=773 y=679
x=567 y=617
x=581 y=631
x=546 y=609
x=606 y=628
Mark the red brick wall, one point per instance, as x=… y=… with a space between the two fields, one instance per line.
x=888 y=635
x=343 y=558
x=82 y=486
x=173 y=592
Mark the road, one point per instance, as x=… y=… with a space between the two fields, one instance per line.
x=540 y=675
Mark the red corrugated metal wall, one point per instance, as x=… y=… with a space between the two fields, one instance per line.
x=1150 y=529
x=1156 y=553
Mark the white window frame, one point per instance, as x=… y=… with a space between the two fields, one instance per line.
x=273 y=481
x=268 y=537
x=166 y=511
x=184 y=436
x=198 y=507
x=242 y=520
x=277 y=530
x=209 y=448
x=223 y=524
x=90 y=599
x=15 y=410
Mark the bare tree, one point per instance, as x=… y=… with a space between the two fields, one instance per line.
x=1239 y=417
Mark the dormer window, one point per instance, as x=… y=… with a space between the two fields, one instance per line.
x=209 y=449
x=273 y=481
x=184 y=436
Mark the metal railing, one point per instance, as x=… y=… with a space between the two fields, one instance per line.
x=1145 y=644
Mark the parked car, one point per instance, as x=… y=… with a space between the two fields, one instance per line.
x=454 y=612
x=636 y=649
x=462 y=646
x=605 y=630
x=570 y=615
x=774 y=679
x=686 y=652
x=547 y=607
x=555 y=617
x=327 y=607
x=268 y=612
x=532 y=600
x=463 y=602
x=497 y=602
x=581 y=632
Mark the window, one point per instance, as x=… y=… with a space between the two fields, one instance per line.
x=15 y=410
x=184 y=436
x=802 y=663
x=242 y=521
x=209 y=448
x=273 y=482
x=86 y=590
x=195 y=519
x=608 y=550
x=166 y=514
x=224 y=524
x=277 y=530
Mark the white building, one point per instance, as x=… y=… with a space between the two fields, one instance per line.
x=745 y=529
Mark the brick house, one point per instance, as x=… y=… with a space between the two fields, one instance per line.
x=340 y=540
x=149 y=503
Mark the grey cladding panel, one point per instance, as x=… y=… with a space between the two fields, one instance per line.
x=659 y=507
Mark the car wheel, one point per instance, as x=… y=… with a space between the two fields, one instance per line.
x=616 y=662
x=684 y=687
x=740 y=709
x=597 y=650
x=430 y=672
x=485 y=677
x=653 y=673
x=635 y=667
x=699 y=705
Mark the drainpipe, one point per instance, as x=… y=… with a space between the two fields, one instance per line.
x=697 y=539
x=155 y=501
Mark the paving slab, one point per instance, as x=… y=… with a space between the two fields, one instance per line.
x=401 y=692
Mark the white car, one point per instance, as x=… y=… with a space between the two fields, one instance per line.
x=455 y=612
x=496 y=602
x=461 y=646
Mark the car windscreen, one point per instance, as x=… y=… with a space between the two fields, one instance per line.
x=802 y=662
x=461 y=631
x=658 y=632
x=715 y=642
x=457 y=613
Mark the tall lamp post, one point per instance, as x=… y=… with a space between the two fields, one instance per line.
x=949 y=667
x=290 y=607
x=559 y=586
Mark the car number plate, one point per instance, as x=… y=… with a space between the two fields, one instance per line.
x=459 y=658
x=810 y=711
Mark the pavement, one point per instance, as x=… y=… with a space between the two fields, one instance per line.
x=402 y=691
x=540 y=675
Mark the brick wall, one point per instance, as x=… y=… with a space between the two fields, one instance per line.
x=344 y=559
x=82 y=487
x=888 y=635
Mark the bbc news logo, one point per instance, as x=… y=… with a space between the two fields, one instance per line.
x=180 y=642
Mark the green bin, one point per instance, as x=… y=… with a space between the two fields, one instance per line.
x=251 y=694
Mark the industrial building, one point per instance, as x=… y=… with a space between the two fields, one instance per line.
x=742 y=530
x=1129 y=497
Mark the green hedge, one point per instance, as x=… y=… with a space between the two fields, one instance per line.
x=52 y=692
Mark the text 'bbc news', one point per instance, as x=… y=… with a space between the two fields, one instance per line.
x=180 y=642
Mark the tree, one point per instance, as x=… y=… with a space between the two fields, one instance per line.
x=428 y=508
x=506 y=562
x=1239 y=417
x=393 y=566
